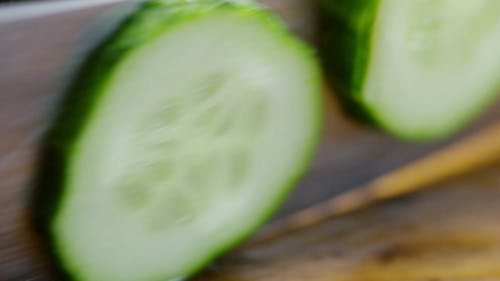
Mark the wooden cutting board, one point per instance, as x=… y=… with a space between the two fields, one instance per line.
x=350 y=154
x=450 y=232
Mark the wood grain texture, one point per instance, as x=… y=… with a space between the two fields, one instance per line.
x=450 y=232
x=467 y=154
x=350 y=154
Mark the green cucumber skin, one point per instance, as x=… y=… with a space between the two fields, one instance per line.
x=77 y=106
x=345 y=49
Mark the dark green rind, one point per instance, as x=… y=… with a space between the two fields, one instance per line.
x=76 y=110
x=345 y=49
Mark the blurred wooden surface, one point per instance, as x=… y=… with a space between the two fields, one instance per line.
x=350 y=154
x=450 y=232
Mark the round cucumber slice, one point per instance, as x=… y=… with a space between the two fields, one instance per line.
x=182 y=133
x=421 y=69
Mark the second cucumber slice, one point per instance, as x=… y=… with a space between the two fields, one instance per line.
x=420 y=69
x=183 y=132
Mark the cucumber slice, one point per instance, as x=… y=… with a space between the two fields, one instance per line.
x=182 y=133
x=421 y=69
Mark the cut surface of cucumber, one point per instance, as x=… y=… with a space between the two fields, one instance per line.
x=182 y=133
x=421 y=69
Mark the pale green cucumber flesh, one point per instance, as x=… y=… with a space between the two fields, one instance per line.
x=421 y=69
x=196 y=138
x=433 y=65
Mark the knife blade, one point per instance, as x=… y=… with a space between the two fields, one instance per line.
x=26 y=10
